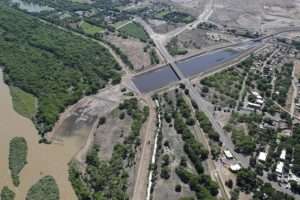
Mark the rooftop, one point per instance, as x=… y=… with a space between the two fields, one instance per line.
x=283 y=154
x=262 y=156
x=235 y=167
x=228 y=154
x=279 y=167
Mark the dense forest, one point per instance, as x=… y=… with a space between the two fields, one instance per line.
x=55 y=66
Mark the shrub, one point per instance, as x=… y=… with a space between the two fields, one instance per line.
x=17 y=157
x=7 y=194
x=178 y=188
x=45 y=189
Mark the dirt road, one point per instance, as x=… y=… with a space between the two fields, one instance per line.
x=147 y=133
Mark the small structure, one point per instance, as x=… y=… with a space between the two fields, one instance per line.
x=254 y=105
x=279 y=167
x=262 y=156
x=283 y=154
x=228 y=154
x=256 y=95
x=235 y=167
x=259 y=101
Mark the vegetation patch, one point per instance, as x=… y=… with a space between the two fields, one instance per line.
x=24 y=103
x=17 y=157
x=174 y=48
x=178 y=17
x=7 y=194
x=283 y=83
x=45 y=189
x=154 y=57
x=90 y=28
x=55 y=66
x=135 y=30
x=228 y=82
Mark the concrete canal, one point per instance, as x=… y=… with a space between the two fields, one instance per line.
x=161 y=77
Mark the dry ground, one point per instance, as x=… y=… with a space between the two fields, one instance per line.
x=197 y=40
x=112 y=132
x=272 y=14
x=160 y=26
x=133 y=48
x=80 y=119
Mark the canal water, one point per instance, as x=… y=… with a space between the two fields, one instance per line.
x=207 y=62
x=155 y=79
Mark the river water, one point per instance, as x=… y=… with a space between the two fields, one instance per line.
x=42 y=159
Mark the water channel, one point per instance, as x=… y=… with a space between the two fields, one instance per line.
x=158 y=78
x=155 y=79
x=207 y=62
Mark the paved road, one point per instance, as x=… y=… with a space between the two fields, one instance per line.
x=276 y=186
x=209 y=163
x=194 y=95
x=203 y=105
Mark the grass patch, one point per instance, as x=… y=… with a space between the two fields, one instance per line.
x=7 y=194
x=135 y=30
x=23 y=102
x=17 y=157
x=90 y=28
x=45 y=189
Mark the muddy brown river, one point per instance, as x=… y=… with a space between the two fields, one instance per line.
x=42 y=159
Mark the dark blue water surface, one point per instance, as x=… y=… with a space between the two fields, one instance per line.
x=155 y=79
x=207 y=62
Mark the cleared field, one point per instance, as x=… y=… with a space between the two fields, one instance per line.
x=135 y=30
x=90 y=28
x=24 y=103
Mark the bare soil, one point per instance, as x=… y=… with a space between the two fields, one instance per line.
x=253 y=15
x=133 y=48
x=112 y=132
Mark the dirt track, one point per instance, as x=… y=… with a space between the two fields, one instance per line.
x=147 y=133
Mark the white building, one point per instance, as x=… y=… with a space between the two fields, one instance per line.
x=253 y=105
x=235 y=167
x=262 y=156
x=279 y=167
x=228 y=154
x=256 y=95
x=259 y=101
x=283 y=154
